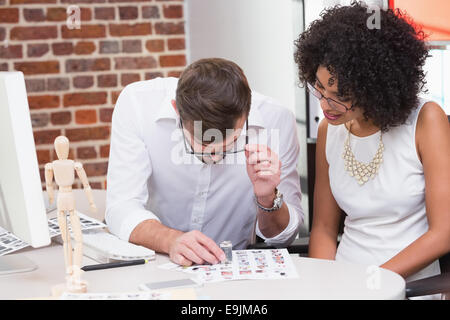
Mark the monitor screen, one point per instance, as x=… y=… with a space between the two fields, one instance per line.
x=22 y=208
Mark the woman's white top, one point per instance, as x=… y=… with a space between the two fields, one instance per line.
x=387 y=213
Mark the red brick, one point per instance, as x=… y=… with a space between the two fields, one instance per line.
x=132 y=46
x=86 y=153
x=39 y=120
x=63 y=117
x=11 y=52
x=33 y=33
x=127 y=78
x=60 y=14
x=128 y=13
x=83 y=1
x=37 y=50
x=174 y=74
x=84 y=98
x=41 y=102
x=85 y=116
x=129 y=0
x=107 y=80
x=106 y=114
x=57 y=14
x=96 y=185
x=114 y=96
x=43 y=156
x=41 y=67
x=34 y=15
x=81 y=65
x=109 y=47
x=107 y=13
x=169 y=28
x=172 y=61
x=176 y=44
x=2 y=34
x=96 y=169
x=150 y=12
x=85 y=32
x=135 y=63
x=62 y=48
x=31 y=1
x=83 y=82
x=45 y=136
x=89 y=133
x=173 y=11
x=138 y=29
x=84 y=47
x=155 y=45
x=104 y=151
x=35 y=85
x=58 y=84
x=152 y=75
x=9 y=15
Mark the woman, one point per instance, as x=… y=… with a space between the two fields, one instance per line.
x=383 y=153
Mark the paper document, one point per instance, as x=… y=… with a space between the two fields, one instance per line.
x=10 y=243
x=141 y=295
x=247 y=264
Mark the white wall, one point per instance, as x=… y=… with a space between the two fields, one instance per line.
x=256 y=34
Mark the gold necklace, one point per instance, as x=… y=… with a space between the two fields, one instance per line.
x=359 y=170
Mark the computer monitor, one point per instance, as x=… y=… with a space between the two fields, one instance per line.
x=22 y=208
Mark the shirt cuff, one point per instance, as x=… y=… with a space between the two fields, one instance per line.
x=289 y=233
x=123 y=219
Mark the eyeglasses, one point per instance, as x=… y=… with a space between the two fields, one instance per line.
x=332 y=103
x=238 y=145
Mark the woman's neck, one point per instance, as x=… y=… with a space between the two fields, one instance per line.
x=361 y=127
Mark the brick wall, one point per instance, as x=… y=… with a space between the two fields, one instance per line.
x=74 y=76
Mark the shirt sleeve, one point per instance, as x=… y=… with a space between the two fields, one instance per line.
x=288 y=152
x=129 y=169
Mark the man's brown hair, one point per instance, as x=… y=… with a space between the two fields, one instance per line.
x=214 y=91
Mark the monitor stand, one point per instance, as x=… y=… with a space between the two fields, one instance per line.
x=14 y=264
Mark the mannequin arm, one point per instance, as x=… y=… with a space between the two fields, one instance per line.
x=84 y=180
x=49 y=182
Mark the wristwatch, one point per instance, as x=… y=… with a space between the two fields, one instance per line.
x=277 y=203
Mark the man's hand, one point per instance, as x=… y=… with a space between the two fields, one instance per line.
x=194 y=247
x=264 y=170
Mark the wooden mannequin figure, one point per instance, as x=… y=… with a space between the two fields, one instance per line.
x=63 y=171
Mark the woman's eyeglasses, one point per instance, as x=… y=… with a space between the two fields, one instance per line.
x=332 y=103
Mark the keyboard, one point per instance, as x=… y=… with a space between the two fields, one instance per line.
x=105 y=247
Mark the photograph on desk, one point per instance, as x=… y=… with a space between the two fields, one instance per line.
x=262 y=149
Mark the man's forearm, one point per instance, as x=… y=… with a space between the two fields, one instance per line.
x=273 y=223
x=154 y=235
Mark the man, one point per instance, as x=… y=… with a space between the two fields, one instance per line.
x=184 y=174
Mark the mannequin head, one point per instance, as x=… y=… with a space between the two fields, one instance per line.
x=62 y=147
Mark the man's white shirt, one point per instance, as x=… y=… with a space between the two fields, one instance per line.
x=151 y=176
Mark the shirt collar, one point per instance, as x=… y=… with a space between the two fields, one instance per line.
x=166 y=110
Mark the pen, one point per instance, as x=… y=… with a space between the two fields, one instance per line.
x=114 y=265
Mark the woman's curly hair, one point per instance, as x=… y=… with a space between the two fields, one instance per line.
x=380 y=70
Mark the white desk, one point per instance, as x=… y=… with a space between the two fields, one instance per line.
x=318 y=279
